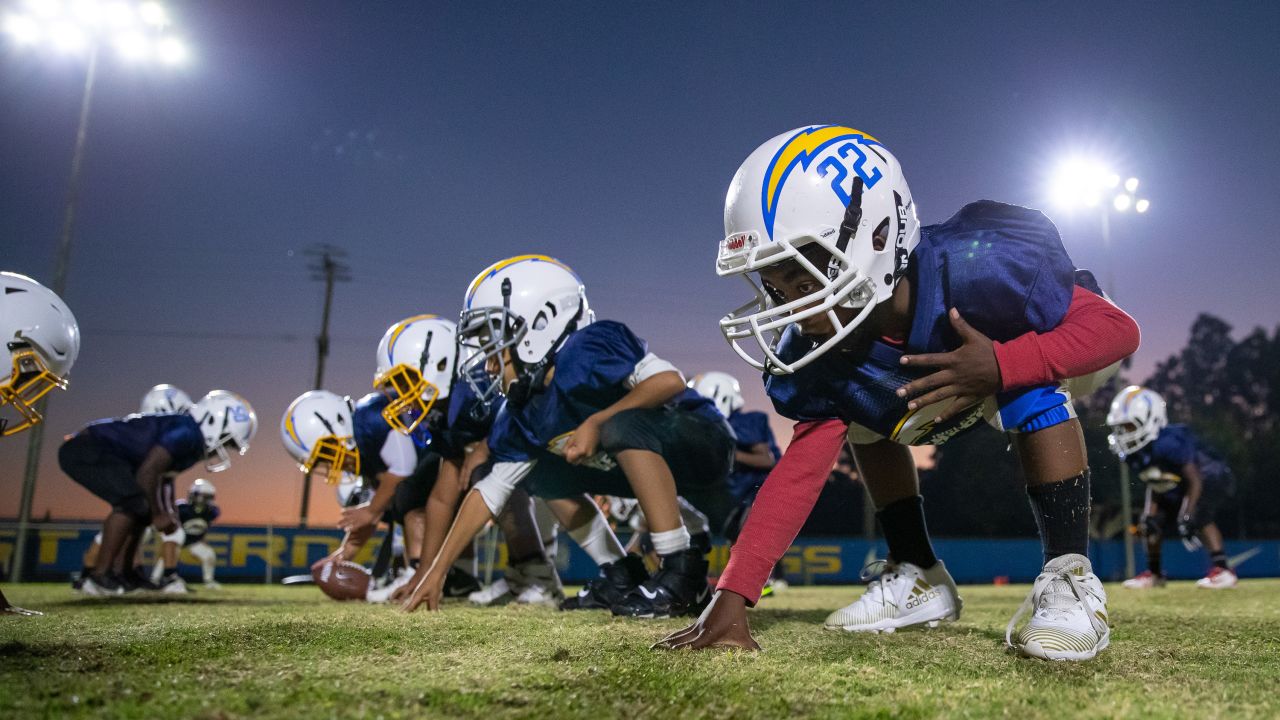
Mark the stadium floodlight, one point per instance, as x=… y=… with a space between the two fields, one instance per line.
x=1142 y=205
x=139 y=33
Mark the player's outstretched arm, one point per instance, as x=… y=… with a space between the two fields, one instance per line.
x=780 y=510
x=652 y=392
x=442 y=506
x=472 y=517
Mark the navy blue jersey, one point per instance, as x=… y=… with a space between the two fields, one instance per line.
x=1003 y=267
x=750 y=428
x=370 y=431
x=195 y=519
x=466 y=420
x=132 y=438
x=1160 y=464
x=591 y=373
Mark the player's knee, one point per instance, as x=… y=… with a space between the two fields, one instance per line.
x=628 y=430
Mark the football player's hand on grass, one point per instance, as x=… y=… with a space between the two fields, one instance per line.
x=427 y=593
x=968 y=374
x=405 y=591
x=7 y=609
x=358 y=517
x=722 y=625
x=583 y=443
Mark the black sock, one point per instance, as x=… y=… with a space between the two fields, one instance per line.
x=1153 y=559
x=1219 y=559
x=1062 y=515
x=904 y=531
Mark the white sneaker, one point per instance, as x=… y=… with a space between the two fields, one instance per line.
x=383 y=594
x=107 y=588
x=1144 y=580
x=499 y=593
x=1069 y=613
x=175 y=586
x=536 y=582
x=1218 y=579
x=902 y=596
x=212 y=585
x=537 y=594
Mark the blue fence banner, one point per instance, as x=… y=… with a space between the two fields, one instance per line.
x=258 y=553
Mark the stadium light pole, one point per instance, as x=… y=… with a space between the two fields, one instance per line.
x=328 y=268
x=140 y=34
x=1091 y=184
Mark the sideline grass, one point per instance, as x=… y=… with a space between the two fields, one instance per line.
x=252 y=651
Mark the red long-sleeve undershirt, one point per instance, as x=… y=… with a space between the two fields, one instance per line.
x=1093 y=335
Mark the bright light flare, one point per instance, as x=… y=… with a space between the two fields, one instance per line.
x=22 y=29
x=47 y=9
x=1142 y=205
x=1079 y=181
x=1131 y=185
x=172 y=51
x=67 y=38
x=119 y=14
x=133 y=46
x=153 y=13
x=1122 y=202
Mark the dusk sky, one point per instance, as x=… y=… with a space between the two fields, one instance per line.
x=431 y=139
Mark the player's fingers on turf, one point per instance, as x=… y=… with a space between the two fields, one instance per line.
x=928 y=382
x=929 y=359
x=930 y=398
x=957 y=406
x=675 y=639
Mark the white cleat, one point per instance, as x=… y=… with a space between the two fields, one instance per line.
x=383 y=594
x=537 y=594
x=499 y=593
x=1218 y=579
x=903 y=595
x=1068 y=613
x=175 y=586
x=94 y=589
x=212 y=585
x=1144 y=580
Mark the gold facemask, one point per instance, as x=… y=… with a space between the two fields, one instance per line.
x=338 y=453
x=31 y=380
x=410 y=394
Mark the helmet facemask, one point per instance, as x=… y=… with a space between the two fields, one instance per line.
x=30 y=381
x=411 y=394
x=339 y=453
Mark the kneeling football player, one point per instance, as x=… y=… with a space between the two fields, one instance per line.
x=588 y=394
x=1186 y=480
x=853 y=301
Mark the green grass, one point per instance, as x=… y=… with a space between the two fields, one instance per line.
x=287 y=652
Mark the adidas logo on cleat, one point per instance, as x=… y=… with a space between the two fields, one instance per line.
x=921 y=594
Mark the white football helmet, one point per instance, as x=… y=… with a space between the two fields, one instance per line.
x=1136 y=417
x=828 y=185
x=722 y=388
x=528 y=304
x=165 y=400
x=202 y=488
x=416 y=360
x=41 y=341
x=318 y=428
x=225 y=419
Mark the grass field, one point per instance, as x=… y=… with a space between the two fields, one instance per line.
x=251 y=651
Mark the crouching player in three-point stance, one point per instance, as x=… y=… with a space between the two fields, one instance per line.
x=854 y=301
x=1186 y=482
x=589 y=394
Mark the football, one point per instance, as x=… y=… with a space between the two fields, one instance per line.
x=341 y=579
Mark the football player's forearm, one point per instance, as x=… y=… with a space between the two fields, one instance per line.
x=1093 y=335
x=1195 y=485
x=781 y=508
x=442 y=504
x=387 y=483
x=652 y=392
x=471 y=519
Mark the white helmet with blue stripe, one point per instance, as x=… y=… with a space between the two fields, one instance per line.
x=1136 y=417
x=827 y=187
x=165 y=400
x=317 y=429
x=528 y=304
x=416 y=361
x=226 y=420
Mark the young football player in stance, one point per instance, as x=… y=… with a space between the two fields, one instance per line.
x=40 y=340
x=855 y=305
x=589 y=397
x=131 y=463
x=1186 y=483
x=195 y=514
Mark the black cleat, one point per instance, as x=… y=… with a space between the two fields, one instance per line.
x=459 y=583
x=678 y=588
x=615 y=581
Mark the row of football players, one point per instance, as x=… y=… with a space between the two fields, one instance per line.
x=870 y=330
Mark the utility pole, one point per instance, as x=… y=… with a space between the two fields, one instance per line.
x=328 y=268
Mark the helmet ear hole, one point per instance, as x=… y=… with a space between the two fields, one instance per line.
x=880 y=237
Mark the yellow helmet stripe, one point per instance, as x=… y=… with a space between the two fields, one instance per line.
x=499 y=266
x=400 y=328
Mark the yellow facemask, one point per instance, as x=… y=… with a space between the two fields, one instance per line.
x=410 y=395
x=30 y=381
x=338 y=453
